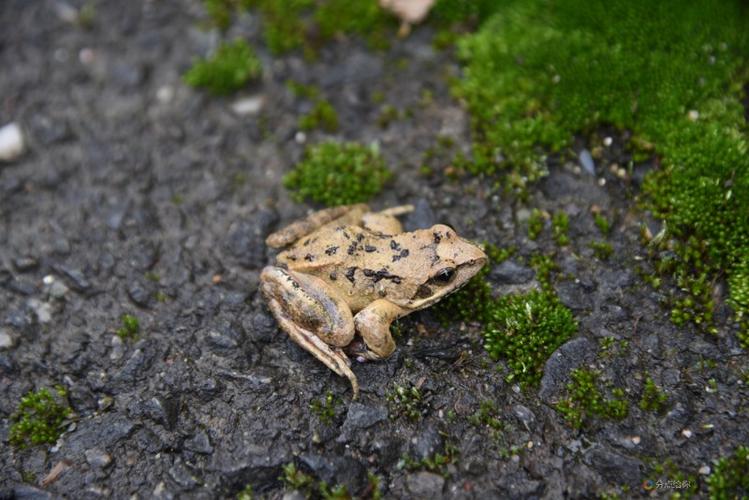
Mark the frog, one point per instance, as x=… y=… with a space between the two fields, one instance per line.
x=345 y=273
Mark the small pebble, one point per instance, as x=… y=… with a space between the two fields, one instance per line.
x=607 y=141
x=586 y=161
x=601 y=182
x=248 y=105
x=48 y=280
x=694 y=115
x=98 y=458
x=165 y=94
x=686 y=433
x=86 y=56
x=636 y=439
x=11 y=142
x=704 y=470
x=6 y=341
x=300 y=137
x=58 y=290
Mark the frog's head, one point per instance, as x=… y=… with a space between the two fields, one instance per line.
x=448 y=262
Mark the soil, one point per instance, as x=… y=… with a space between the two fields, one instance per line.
x=140 y=195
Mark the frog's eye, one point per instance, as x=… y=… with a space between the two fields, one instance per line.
x=444 y=276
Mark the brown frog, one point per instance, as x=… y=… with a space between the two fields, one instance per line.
x=351 y=271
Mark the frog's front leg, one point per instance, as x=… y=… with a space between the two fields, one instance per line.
x=373 y=324
x=314 y=315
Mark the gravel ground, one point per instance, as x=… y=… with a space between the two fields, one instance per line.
x=139 y=195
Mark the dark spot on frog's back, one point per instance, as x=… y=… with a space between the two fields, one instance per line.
x=359 y=237
x=309 y=257
x=437 y=237
x=370 y=248
x=394 y=245
x=331 y=250
x=351 y=249
x=333 y=276
x=350 y=274
x=404 y=253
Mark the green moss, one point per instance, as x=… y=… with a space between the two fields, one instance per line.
x=601 y=249
x=560 y=226
x=229 y=69
x=322 y=115
x=335 y=173
x=325 y=408
x=294 y=479
x=730 y=477
x=585 y=400
x=670 y=72
x=220 y=12
x=653 y=398
x=130 y=327
x=603 y=224
x=487 y=416
x=374 y=486
x=366 y=19
x=39 y=418
x=406 y=401
x=535 y=224
x=525 y=329
x=436 y=463
x=246 y=493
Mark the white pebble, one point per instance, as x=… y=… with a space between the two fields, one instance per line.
x=694 y=115
x=248 y=105
x=586 y=161
x=165 y=93
x=686 y=433
x=608 y=141
x=11 y=142
x=300 y=137
x=602 y=182
x=86 y=55
x=6 y=341
x=636 y=439
x=48 y=280
x=704 y=470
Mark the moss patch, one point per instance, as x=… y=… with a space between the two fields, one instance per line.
x=586 y=400
x=730 y=478
x=539 y=72
x=335 y=173
x=229 y=69
x=39 y=418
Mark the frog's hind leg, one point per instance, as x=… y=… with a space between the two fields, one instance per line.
x=385 y=221
x=343 y=215
x=313 y=315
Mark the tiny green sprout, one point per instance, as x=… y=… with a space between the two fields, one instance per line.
x=487 y=416
x=653 y=398
x=730 y=476
x=335 y=173
x=246 y=493
x=374 y=486
x=535 y=224
x=388 y=114
x=407 y=401
x=229 y=69
x=325 y=408
x=602 y=249
x=436 y=463
x=39 y=418
x=296 y=479
x=560 y=225
x=337 y=492
x=602 y=223
x=130 y=327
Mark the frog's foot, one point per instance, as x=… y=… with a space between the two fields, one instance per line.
x=373 y=324
x=347 y=214
x=333 y=357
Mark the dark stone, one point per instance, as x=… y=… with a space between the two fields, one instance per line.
x=425 y=484
x=422 y=216
x=182 y=476
x=263 y=328
x=199 y=443
x=615 y=467
x=524 y=414
x=576 y=296
x=163 y=410
x=339 y=470
x=27 y=492
x=426 y=443
x=360 y=417
x=25 y=263
x=74 y=278
x=570 y=355
x=510 y=272
x=140 y=360
x=246 y=239
x=140 y=293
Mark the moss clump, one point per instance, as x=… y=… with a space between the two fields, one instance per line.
x=560 y=226
x=653 y=398
x=436 y=463
x=525 y=329
x=535 y=224
x=671 y=72
x=296 y=480
x=601 y=249
x=603 y=224
x=322 y=115
x=325 y=408
x=335 y=173
x=730 y=478
x=585 y=400
x=229 y=69
x=130 y=327
x=407 y=401
x=39 y=418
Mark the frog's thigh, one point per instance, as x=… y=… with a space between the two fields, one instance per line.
x=373 y=324
x=309 y=303
x=379 y=223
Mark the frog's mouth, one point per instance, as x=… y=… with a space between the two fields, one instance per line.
x=444 y=282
